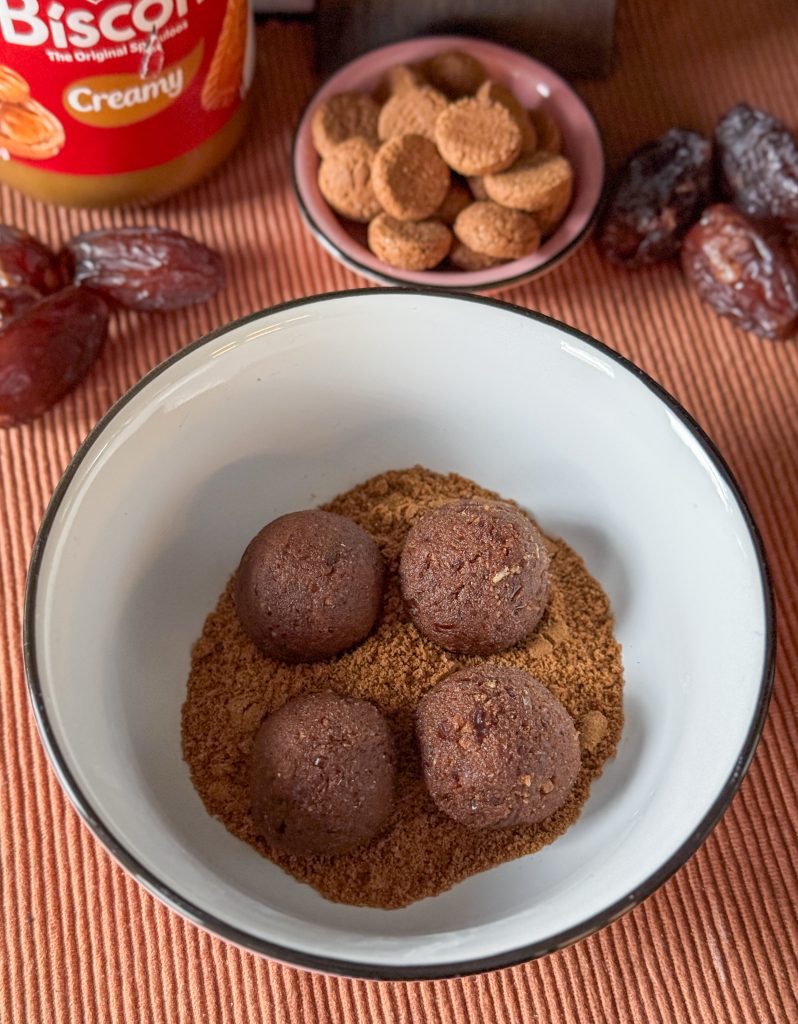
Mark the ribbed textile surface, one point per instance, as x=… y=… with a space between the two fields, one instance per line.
x=81 y=942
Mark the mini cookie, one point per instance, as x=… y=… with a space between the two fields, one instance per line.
x=410 y=245
x=340 y=118
x=466 y=259
x=412 y=112
x=396 y=79
x=455 y=73
x=496 y=231
x=345 y=179
x=456 y=199
x=477 y=186
x=534 y=182
x=409 y=177
x=550 y=217
x=547 y=129
x=495 y=92
x=477 y=137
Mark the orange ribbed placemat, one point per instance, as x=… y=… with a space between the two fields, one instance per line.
x=82 y=942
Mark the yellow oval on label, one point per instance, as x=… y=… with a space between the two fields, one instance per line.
x=109 y=101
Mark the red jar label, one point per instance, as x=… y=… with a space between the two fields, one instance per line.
x=108 y=86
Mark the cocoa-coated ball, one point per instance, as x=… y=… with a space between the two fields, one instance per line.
x=497 y=748
x=309 y=586
x=475 y=576
x=323 y=772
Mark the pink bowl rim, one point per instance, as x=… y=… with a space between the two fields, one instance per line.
x=570 y=235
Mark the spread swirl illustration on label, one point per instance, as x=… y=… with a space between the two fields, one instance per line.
x=27 y=129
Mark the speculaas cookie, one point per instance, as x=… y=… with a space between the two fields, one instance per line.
x=477 y=137
x=537 y=181
x=456 y=199
x=454 y=73
x=466 y=259
x=409 y=245
x=345 y=179
x=412 y=112
x=410 y=178
x=497 y=231
x=340 y=118
x=547 y=129
x=495 y=92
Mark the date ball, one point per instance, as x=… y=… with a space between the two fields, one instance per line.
x=475 y=576
x=323 y=773
x=309 y=586
x=497 y=748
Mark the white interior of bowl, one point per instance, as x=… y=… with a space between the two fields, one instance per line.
x=289 y=409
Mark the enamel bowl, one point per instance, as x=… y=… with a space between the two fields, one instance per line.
x=289 y=407
x=535 y=85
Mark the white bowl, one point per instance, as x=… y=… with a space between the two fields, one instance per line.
x=286 y=408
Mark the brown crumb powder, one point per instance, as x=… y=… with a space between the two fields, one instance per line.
x=592 y=729
x=420 y=852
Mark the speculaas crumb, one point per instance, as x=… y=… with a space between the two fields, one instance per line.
x=409 y=245
x=345 y=179
x=592 y=729
x=477 y=137
x=497 y=231
x=412 y=112
x=409 y=177
x=420 y=852
x=455 y=73
x=340 y=118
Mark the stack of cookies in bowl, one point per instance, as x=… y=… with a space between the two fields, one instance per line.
x=445 y=166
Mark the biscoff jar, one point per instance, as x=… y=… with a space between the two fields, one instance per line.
x=115 y=101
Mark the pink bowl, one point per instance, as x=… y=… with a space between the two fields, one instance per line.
x=535 y=85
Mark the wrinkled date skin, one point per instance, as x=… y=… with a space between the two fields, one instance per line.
x=47 y=350
x=661 y=191
x=792 y=250
x=145 y=268
x=743 y=272
x=26 y=263
x=28 y=270
x=758 y=164
x=16 y=300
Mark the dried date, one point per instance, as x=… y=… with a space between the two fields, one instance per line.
x=16 y=300
x=25 y=262
x=742 y=271
x=792 y=249
x=145 y=268
x=660 y=192
x=758 y=164
x=47 y=350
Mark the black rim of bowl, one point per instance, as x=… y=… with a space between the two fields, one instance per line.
x=385 y=277
x=351 y=968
